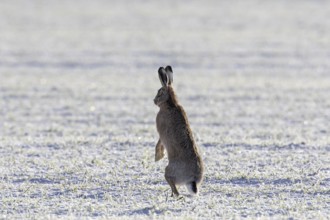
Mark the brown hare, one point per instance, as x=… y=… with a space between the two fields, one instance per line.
x=185 y=165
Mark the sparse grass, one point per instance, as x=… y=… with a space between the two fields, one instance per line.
x=109 y=170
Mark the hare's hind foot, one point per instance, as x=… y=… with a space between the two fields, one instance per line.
x=174 y=197
x=175 y=194
x=171 y=196
x=172 y=185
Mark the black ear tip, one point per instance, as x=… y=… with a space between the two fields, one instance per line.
x=161 y=69
x=169 y=68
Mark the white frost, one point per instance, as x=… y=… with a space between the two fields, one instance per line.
x=77 y=119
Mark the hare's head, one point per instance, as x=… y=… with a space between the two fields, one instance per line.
x=165 y=93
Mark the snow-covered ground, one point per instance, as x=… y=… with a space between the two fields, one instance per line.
x=77 y=119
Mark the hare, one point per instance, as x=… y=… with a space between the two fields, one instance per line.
x=185 y=165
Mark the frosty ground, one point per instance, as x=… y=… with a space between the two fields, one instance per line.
x=77 y=131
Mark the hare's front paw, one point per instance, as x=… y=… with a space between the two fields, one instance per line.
x=159 y=154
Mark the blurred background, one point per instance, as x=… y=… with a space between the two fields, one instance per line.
x=95 y=62
x=220 y=36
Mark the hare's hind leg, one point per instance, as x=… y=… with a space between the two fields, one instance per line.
x=159 y=153
x=171 y=181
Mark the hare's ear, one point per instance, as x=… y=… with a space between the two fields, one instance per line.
x=169 y=73
x=162 y=76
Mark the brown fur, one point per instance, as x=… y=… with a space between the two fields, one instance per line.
x=185 y=164
x=172 y=101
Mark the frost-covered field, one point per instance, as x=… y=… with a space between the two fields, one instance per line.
x=77 y=119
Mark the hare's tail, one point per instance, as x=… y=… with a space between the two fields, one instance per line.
x=192 y=187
